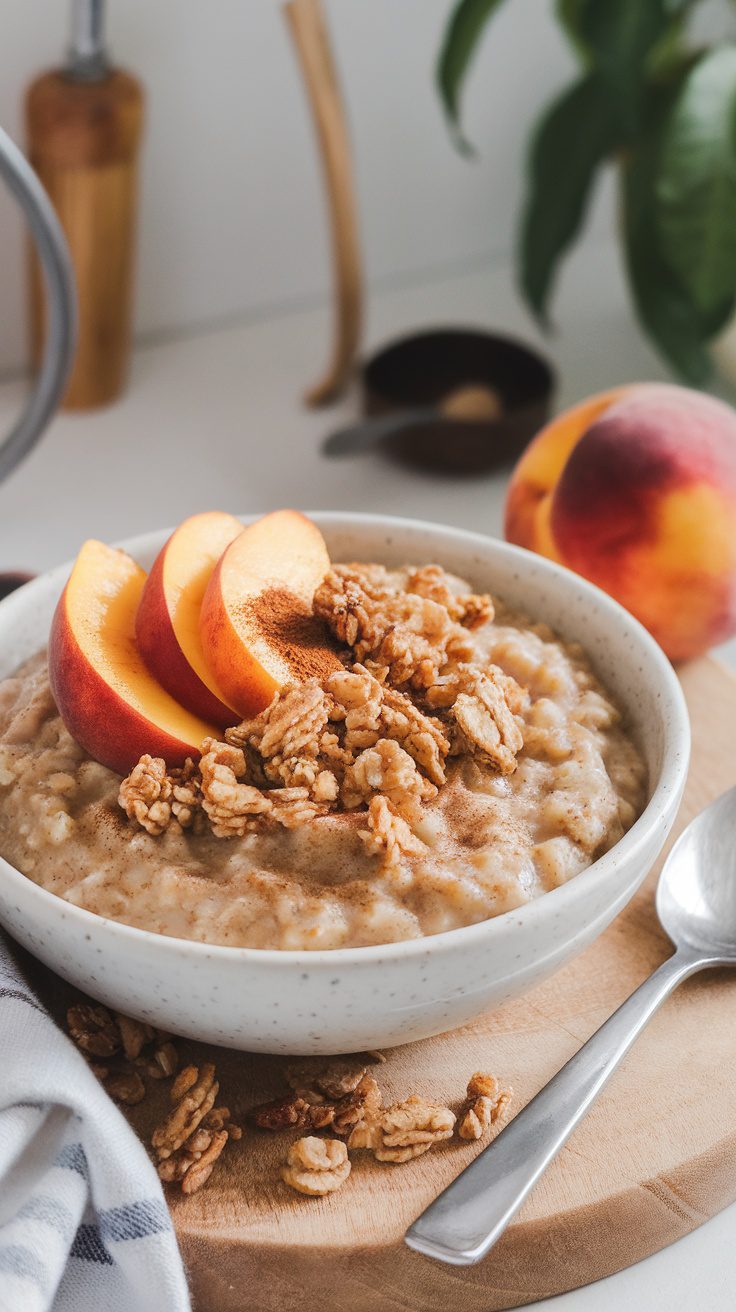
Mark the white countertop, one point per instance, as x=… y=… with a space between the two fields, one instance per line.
x=214 y=421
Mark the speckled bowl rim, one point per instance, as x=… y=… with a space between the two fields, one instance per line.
x=664 y=798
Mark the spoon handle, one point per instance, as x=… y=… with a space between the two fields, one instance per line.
x=462 y=1224
x=368 y=433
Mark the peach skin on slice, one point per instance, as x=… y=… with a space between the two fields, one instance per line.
x=257 y=627
x=107 y=698
x=167 y=624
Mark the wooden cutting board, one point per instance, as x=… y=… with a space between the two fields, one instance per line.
x=654 y=1159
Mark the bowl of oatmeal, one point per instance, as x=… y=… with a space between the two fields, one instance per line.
x=460 y=801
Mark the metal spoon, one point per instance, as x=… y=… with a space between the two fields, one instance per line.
x=696 y=904
x=472 y=403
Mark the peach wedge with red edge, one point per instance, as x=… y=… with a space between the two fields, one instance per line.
x=167 y=624
x=257 y=627
x=636 y=491
x=107 y=698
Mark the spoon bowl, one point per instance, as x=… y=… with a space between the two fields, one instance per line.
x=696 y=894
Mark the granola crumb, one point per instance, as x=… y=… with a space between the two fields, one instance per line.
x=388 y=835
x=164 y=1062
x=93 y=1030
x=135 y=1035
x=363 y=1103
x=126 y=1087
x=316 y=1081
x=146 y=794
x=191 y=1108
x=337 y=1095
x=292 y=1112
x=404 y=1131
x=316 y=1166
x=217 y=1119
x=184 y=1081
x=200 y=1171
x=486 y=1108
x=191 y=1138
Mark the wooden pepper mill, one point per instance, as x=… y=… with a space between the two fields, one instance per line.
x=84 y=127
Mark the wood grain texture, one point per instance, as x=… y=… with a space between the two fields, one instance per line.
x=308 y=28
x=653 y=1160
x=83 y=143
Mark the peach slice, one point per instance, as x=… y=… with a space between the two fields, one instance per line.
x=107 y=698
x=256 y=623
x=167 y=624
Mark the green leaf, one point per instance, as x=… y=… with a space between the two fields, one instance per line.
x=696 y=188
x=664 y=306
x=573 y=138
x=670 y=56
x=615 y=37
x=620 y=36
x=569 y=15
x=459 y=42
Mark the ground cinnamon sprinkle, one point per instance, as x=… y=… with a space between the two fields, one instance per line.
x=300 y=638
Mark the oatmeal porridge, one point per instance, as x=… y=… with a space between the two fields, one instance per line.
x=460 y=761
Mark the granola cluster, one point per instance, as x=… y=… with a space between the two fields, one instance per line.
x=412 y=630
x=189 y=1141
x=316 y=1166
x=375 y=735
x=486 y=1107
x=121 y=1050
x=339 y=1096
x=153 y=797
x=404 y=1131
x=191 y=1137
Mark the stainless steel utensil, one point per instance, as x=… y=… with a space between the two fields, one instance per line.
x=370 y=432
x=61 y=305
x=696 y=904
x=471 y=404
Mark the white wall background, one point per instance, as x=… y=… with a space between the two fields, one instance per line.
x=232 y=218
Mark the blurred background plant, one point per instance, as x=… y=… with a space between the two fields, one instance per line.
x=662 y=108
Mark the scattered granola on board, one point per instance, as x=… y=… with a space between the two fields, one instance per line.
x=191 y=1137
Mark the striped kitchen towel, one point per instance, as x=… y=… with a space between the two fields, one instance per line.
x=83 y=1222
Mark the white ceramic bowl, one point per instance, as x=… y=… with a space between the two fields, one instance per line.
x=373 y=997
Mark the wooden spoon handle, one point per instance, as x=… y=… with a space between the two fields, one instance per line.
x=309 y=33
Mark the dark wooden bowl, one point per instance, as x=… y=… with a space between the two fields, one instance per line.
x=11 y=580
x=421 y=369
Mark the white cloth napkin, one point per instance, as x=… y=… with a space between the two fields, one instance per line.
x=83 y=1222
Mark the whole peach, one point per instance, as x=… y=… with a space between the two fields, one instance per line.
x=636 y=490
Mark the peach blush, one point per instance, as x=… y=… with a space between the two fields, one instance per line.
x=643 y=503
x=108 y=700
x=167 y=623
